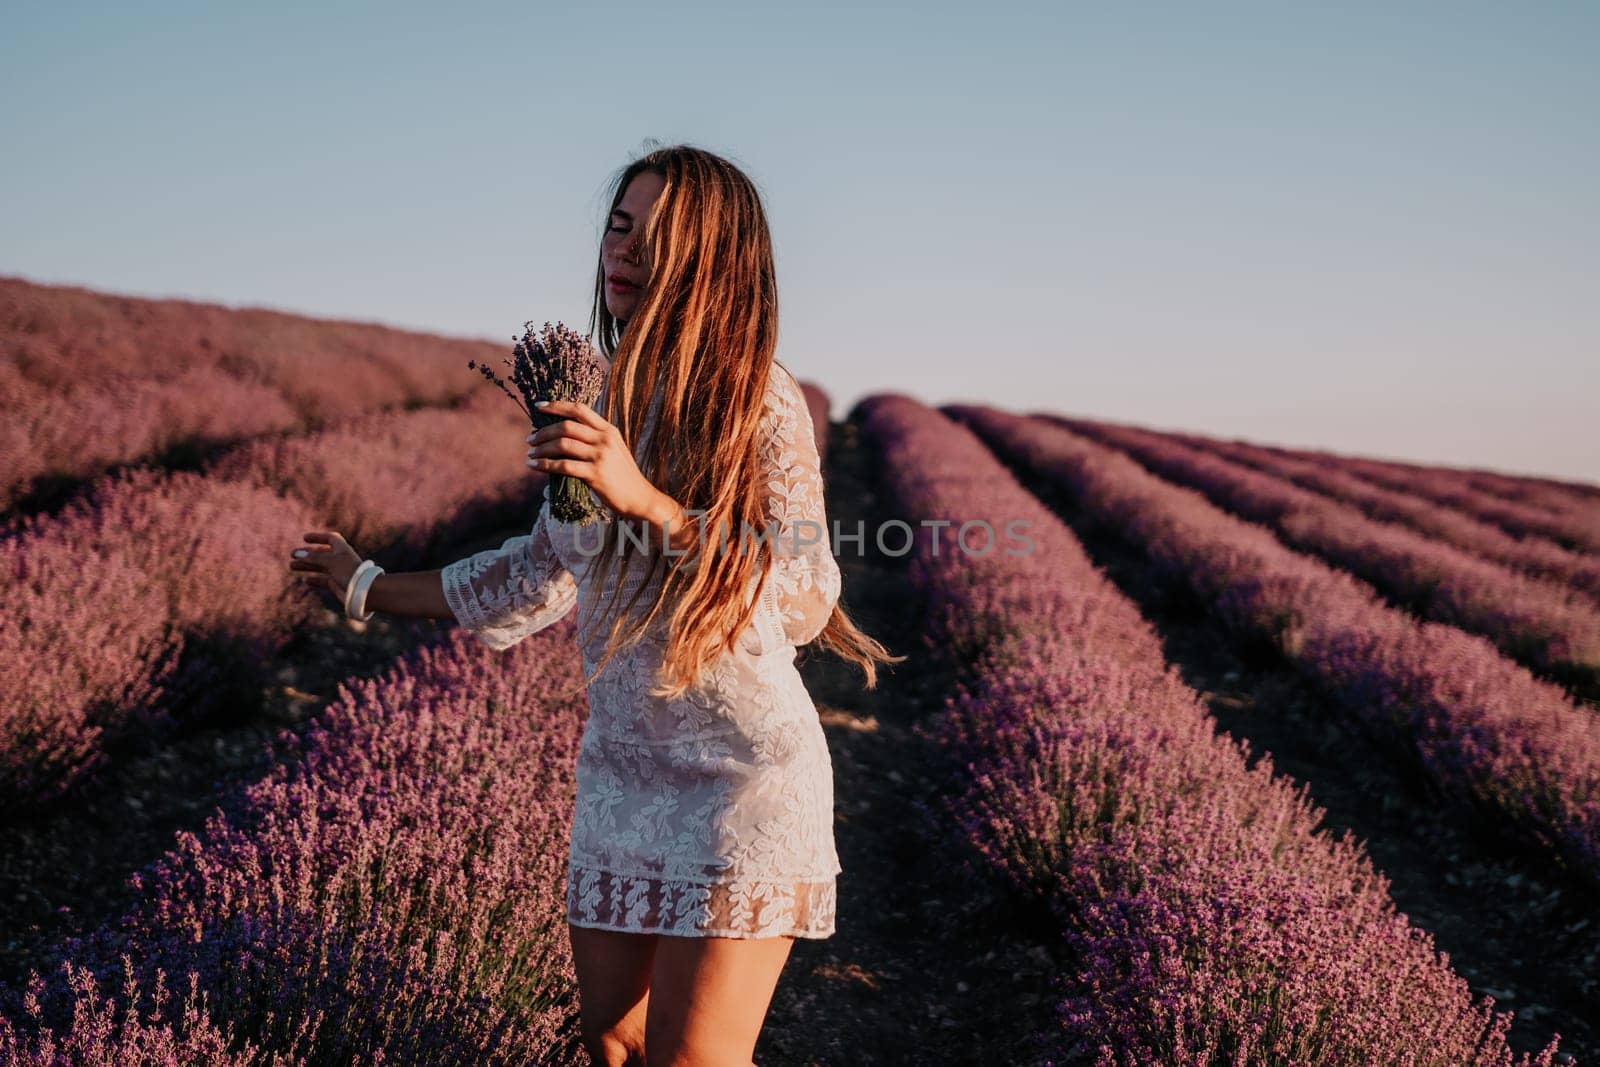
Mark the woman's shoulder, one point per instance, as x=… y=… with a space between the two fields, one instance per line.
x=783 y=374
x=783 y=389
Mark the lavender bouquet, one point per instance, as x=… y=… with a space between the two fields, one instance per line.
x=556 y=363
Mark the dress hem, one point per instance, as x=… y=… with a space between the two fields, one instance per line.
x=659 y=876
x=603 y=899
x=741 y=935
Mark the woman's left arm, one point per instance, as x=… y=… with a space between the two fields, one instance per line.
x=586 y=445
x=805 y=581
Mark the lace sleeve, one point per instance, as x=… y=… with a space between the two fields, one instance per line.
x=805 y=581
x=508 y=593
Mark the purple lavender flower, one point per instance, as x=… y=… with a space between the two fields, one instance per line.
x=555 y=363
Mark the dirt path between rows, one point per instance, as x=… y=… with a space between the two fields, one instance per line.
x=925 y=965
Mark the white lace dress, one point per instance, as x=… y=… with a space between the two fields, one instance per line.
x=712 y=814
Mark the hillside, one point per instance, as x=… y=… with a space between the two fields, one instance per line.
x=1257 y=755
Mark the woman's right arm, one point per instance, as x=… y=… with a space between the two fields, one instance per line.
x=501 y=595
x=418 y=593
x=327 y=561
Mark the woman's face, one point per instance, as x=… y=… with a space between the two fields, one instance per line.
x=620 y=257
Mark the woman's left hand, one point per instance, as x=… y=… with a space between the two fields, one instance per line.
x=587 y=446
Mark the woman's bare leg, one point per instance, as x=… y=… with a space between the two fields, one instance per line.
x=711 y=997
x=613 y=992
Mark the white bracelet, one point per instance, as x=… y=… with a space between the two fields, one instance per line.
x=358 y=595
x=355 y=593
x=349 y=587
x=358 y=599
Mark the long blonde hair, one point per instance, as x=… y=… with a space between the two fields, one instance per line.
x=704 y=332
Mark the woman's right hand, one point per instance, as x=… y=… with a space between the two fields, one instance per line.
x=328 y=562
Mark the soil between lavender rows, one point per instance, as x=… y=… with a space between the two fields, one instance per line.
x=925 y=965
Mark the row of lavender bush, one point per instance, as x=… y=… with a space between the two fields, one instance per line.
x=1578 y=529
x=1508 y=747
x=91 y=380
x=161 y=591
x=1537 y=556
x=392 y=892
x=1206 y=919
x=103 y=600
x=403 y=483
x=1539 y=622
x=1545 y=494
x=1571 y=518
x=1555 y=494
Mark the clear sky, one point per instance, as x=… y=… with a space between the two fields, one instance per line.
x=1368 y=227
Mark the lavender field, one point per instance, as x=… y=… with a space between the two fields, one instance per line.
x=1254 y=756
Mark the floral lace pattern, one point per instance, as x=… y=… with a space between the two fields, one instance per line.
x=506 y=594
x=710 y=814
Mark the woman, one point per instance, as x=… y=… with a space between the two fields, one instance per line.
x=702 y=840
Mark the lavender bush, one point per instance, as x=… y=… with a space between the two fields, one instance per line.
x=1532 y=555
x=106 y=595
x=1506 y=747
x=1203 y=917
x=77 y=431
x=399 y=484
x=1550 y=496
x=393 y=892
x=1553 y=494
x=189 y=569
x=1541 y=623
x=1576 y=528
x=119 y=1032
x=92 y=380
